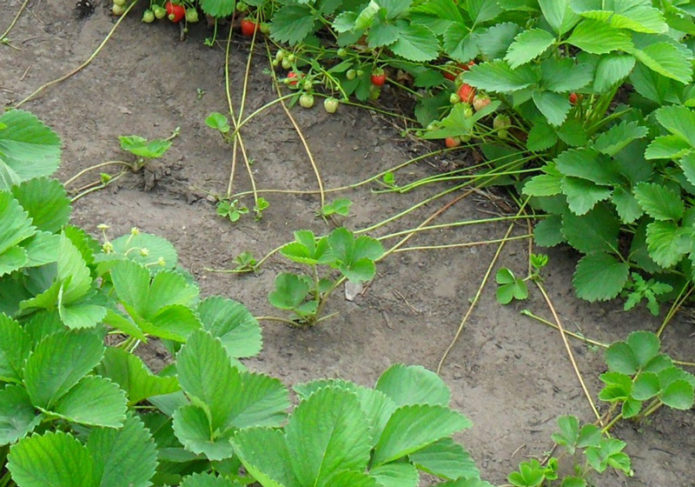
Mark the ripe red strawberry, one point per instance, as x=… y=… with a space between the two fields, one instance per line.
x=466 y=93
x=175 y=12
x=248 y=27
x=573 y=98
x=378 y=77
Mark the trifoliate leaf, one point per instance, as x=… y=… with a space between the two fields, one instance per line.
x=218 y=8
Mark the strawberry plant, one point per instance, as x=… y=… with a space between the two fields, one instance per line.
x=306 y=294
x=640 y=380
x=77 y=412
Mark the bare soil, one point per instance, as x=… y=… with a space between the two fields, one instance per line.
x=508 y=373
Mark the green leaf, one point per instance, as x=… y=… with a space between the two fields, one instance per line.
x=15 y=345
x=553 y=106
x=659 y=202
x=569 y=433
x=261 y=400
x=169 y=288
x=207 y=376
x=413 y=385
x=558 y=15
x=679 y=121
x=530 y=474
x=160 y=254
x=18 y=417
x=482 y=11
x=141 y=147
x=218 y=8
x=28 y=148
x=528 y=45
x=414 y=427
x=41 y=249
x=73 y=272
x=665 y=59
x=548 y=232
x=626 y=205
x=290 y=291
x=396 y=475
x=16 y=223
x=327 y=433
x=498 y=77
x=646 y=386
x=48 y=376
x=541 y=137
x=232 y=323
x=687 y=164
x=587 y=164
x=354 y=257
x=445 y=459
x=678 y=395
x=459 y=44
x=494 y=41
x=644 y=345
x=619 y=136
x=544 y=185
x=638 y=16
x=46 y=202
x=597 y=231
x=598 y=38
x=94 y=401
x=218 y=122
x=564 y=75
x=133 y=376
x=131 y=282
x=582 y=195
x=264 y=454
x=600 y=277
x=667 y=147
x=415 y=43
x=667 y=243
x=292 y=24
x=54 y=458
x=621 y=358
x=306 y=249
x=196 y=434
x=127 y=456
x=611 y=70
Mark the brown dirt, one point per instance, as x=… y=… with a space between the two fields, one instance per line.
x=509 y=374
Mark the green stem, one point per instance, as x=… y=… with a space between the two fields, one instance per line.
x=452 y=225
x=611 y=423
x=97 y=166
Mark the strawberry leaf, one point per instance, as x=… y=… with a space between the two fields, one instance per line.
x=528 y=45
x=600 y=277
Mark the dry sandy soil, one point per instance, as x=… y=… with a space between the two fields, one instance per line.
x=508 y=373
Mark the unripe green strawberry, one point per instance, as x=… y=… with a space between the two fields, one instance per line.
x=148 y=16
